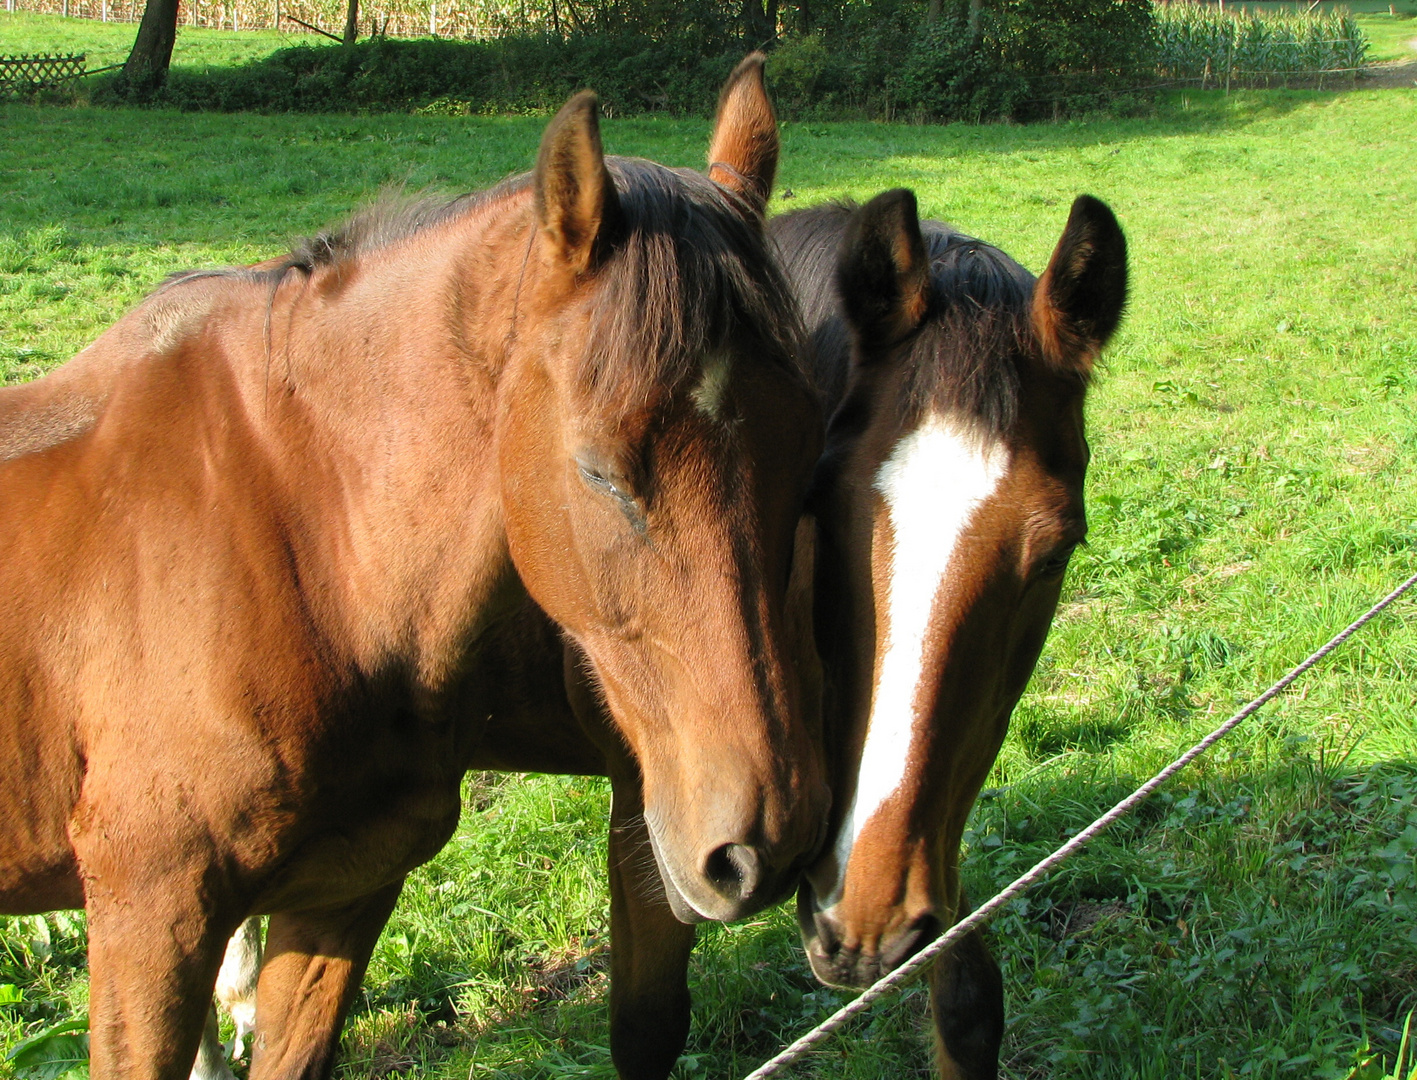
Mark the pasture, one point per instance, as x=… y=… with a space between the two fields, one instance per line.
x=1251 y=490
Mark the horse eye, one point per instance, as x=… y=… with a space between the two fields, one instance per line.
x=595 y=476
x=598 y=480
x=1056 y=563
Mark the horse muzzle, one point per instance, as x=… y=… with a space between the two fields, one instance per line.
x=846 y=966
x=732 y=881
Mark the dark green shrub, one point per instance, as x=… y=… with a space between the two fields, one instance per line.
x=632 y=74
x=1011 y=59
x=1014 y=59
x=1074 y=54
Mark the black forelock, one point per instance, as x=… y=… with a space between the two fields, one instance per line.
x=689 y=274
x=964 y=356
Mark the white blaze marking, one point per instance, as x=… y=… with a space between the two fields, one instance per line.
x=713 y=384
x=934 y=480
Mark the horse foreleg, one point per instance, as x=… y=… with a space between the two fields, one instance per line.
x=313 y=965
x=649 y=952
x=967 y=1002
x=153 y=958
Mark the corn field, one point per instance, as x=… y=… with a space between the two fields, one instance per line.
x=1250 y=48
x=397 y=18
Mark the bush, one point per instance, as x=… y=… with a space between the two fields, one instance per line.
x=1017 y=59
x=504 y=75
x=1011 y=59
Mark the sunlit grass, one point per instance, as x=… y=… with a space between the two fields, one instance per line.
x=105 y=43
x=1251 y=490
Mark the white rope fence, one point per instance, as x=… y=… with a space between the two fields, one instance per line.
x=985 y=911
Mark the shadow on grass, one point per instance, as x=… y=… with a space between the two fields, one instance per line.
x=1261 y=915
x=159 y=177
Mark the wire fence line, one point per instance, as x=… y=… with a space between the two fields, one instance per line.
x=1040 y=870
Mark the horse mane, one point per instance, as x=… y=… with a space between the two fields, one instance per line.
x=964 y=357
x=688 y=275
x=393 y=216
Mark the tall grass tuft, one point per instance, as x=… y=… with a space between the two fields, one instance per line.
x=1257 y=48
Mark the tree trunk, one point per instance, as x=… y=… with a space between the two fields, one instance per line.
x=759 y=23
x=932 y=11
x=146 y=67
x=804 y=17
x=351 y=22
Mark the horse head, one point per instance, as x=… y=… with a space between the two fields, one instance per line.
x=951 y=498
x=655 y=446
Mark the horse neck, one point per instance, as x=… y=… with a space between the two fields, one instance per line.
x=380 y=395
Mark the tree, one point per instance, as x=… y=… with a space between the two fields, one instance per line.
x=759 y=22
x=146 y=67
x=351 y=22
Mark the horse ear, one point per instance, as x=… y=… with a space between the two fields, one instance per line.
x=1079 y=300
x=576 y=204
x=743 y=152
x=883 y=271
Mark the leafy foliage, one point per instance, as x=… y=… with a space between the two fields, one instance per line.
x=55 y=1052
x=1019 y=59
x=514 y=74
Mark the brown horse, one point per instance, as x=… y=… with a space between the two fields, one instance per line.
x=270 y=545
x=946 y=506
x=949 y=500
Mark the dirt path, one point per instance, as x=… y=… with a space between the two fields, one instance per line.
x=1393 y=72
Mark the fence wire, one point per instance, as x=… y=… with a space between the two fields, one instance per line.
x=1040 y=870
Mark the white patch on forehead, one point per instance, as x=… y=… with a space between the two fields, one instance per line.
x=934 y=480
x=712 y=385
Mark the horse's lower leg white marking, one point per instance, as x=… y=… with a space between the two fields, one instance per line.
x=934 y=480
x=236 y=981
x=211 y=1059
x=236 y=991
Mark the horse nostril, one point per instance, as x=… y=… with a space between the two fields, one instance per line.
x=910 y=941
x=828 y=942
x=734 y=870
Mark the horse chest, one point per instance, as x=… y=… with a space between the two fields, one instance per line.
x=374 y=822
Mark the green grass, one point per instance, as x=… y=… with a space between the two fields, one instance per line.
x=1251 y=491
x=109 y=43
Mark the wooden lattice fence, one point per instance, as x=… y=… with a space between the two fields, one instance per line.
x=21 y=75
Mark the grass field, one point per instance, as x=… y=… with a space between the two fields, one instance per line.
x=108 y=43
x=1252 y=489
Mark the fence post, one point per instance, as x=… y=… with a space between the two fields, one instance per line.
x=275 y=16
x=433 y=19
